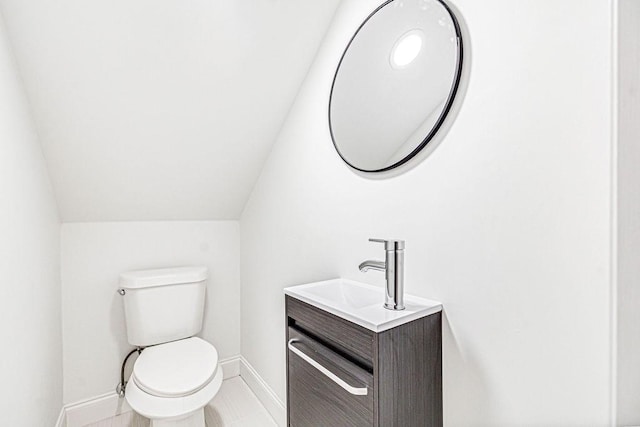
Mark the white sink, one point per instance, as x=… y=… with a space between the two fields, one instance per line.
x=361 y=303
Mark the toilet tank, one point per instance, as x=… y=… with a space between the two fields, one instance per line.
x=163 y=305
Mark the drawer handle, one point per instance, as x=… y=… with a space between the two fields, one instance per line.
x=359 y=391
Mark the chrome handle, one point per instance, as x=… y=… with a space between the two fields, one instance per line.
x=359 y=391
x=391 y=244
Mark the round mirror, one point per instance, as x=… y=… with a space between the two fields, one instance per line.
x=395 y=83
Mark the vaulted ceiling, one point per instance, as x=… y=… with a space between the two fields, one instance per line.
x=160 y=109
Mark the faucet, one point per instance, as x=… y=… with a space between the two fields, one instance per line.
x=393 y=266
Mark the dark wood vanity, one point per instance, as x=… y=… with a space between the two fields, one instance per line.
x=341 y=374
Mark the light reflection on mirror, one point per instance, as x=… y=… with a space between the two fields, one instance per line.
x=406 y=49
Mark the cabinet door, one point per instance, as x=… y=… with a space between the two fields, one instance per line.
x=325 y=389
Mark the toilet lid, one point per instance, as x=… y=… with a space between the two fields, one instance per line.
x=176 y=369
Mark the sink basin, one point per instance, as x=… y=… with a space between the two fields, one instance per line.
x=361 y=303
x=345 y=294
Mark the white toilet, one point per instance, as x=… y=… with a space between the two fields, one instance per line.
x=177 y=373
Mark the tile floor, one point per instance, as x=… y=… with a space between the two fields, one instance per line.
x=234 y=406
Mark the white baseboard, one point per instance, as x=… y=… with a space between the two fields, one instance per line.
x=109 y=405
x=95 y=409
x=61 y=422
x=263 y=392
x=230 y=367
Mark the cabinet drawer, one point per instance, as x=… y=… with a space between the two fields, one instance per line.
x=326 y=389
x=355 y=339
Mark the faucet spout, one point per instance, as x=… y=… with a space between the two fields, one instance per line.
x=372 y=265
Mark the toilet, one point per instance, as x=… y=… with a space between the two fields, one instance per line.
x=177 y=374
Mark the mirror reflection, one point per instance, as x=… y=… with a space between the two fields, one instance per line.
x=395 y=83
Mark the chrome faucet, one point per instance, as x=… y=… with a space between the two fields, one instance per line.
x=393 y=266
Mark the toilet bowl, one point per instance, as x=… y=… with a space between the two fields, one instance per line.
x=176 y=374
x=172 y=383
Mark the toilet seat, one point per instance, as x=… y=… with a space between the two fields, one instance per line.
x=176 y=369
x=180 y=395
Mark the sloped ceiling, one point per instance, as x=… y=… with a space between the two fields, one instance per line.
x=160 y=109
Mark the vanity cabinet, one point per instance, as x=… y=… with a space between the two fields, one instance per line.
x=341 y=374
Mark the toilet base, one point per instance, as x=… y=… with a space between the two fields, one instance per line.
x=195 y=419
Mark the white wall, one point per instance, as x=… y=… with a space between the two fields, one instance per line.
x=31 y=361
x=507 y=222
x=628 y=213
x=161 y=109
x=93 y=256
